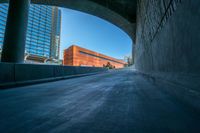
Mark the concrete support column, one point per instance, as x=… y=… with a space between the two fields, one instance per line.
x=15 y=33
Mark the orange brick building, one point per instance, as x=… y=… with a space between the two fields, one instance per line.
x=77 y=56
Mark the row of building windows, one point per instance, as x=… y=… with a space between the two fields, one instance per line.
x=38 y=34
x=99 y=57
x=40 y=24
x=44 y=21
x=4 y=10
x=36 y=16
x=2 y=27
x=43 y=44
x=4 y=5
x=2 y=19
x=40 y=8
x=1 y=39
x=3 y=14
x=37 y=47
x=41 y=53
x=41 y=37
x=30 y=27
x=32 y=44
x=35 y=38
x=37 y=50
x=1 y=34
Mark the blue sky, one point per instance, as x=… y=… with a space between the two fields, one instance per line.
x=93 y=33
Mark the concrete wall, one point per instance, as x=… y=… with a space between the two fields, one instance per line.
x=10 y=73
x=168 y=36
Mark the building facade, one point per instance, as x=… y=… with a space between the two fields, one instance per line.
x=77 y=56
x=3 y=16
x=56 y=29
x=43 y=32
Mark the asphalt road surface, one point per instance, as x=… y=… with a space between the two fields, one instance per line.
x=120 y=101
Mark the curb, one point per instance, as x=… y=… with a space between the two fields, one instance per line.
x=39 y=81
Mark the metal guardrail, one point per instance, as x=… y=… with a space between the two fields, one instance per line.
x=171 y=7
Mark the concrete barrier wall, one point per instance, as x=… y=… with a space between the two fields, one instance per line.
x=6 y=73
x=32 y=72
x=168 y=39
x=11 y=73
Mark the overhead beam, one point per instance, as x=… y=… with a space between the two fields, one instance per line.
x=93 y=8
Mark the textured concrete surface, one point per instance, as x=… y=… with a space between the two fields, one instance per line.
x=167 y=38
x=116 y=102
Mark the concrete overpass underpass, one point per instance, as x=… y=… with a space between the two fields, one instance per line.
x=166 y=39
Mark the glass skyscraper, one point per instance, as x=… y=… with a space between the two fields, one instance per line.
x=55 y=47
x=3 y=16
x=43 y=34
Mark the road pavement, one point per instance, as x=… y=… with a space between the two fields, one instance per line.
x=121 y=101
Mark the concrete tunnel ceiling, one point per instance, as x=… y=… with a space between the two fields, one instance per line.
x=121 y=13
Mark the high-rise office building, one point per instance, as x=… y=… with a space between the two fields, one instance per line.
x=3 y=16
x=43 y=33
x=56 y=29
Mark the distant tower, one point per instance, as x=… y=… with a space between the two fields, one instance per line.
x=55 y=36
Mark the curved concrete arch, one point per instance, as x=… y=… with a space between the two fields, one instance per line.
x=93 y=9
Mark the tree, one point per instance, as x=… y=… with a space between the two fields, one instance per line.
x=108 y=65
